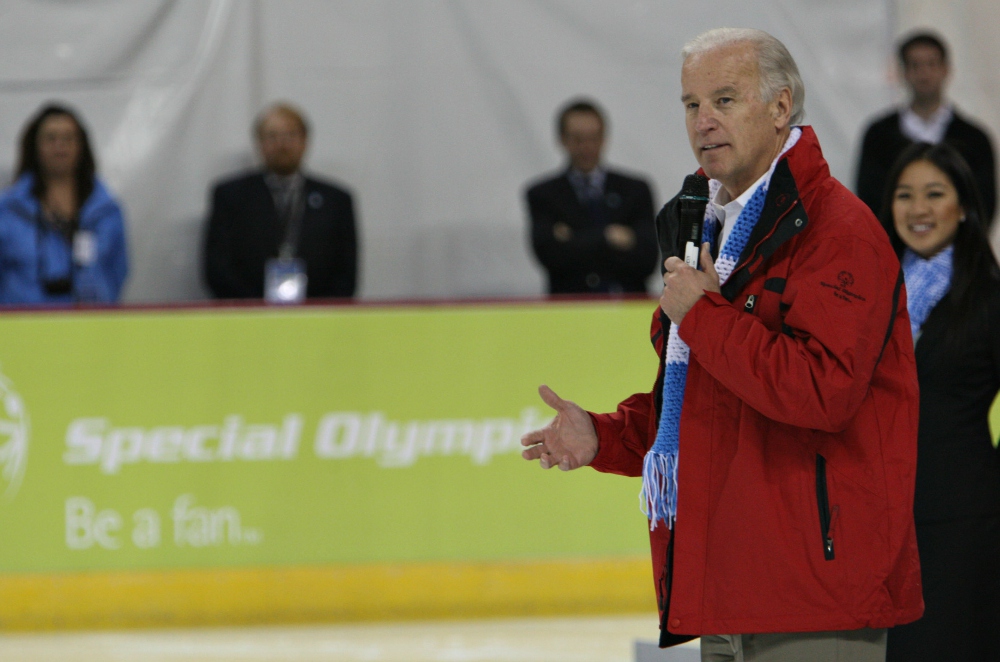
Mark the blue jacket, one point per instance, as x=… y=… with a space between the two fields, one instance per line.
x=32 y=253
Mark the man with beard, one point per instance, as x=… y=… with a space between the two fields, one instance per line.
x=275 y=232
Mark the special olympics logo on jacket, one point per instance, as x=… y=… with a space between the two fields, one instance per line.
x=14 y=427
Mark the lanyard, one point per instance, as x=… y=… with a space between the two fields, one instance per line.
x=288 y=194
x=63 y=285
x=293 y=224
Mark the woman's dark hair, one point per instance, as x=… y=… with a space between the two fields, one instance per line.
x=85 y=167
x=975 y=268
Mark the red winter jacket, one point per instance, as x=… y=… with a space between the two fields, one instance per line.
x=798 y=433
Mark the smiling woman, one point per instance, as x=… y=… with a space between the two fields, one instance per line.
x=934 y=218
x=925 y=209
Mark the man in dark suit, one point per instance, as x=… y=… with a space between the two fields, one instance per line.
x=591 y=227
x=929 y=117
x=280 y=215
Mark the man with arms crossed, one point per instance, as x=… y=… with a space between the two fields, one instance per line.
x=788 y=534
x=591 y=226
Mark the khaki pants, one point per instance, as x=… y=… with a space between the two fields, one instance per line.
x=839 y=646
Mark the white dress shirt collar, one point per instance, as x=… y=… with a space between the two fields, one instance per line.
x=931 y=130
x=593 y=178
x=728 y=212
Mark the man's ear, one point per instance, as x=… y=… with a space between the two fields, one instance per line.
x=782 y=108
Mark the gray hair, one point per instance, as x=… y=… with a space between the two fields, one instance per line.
x=775 y=64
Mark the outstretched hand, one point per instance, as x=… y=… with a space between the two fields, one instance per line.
x=569 y=441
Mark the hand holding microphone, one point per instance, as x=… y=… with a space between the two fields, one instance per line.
x=683 y=283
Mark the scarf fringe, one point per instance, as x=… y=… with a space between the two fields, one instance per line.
x=658 y=497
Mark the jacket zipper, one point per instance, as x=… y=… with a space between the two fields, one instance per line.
x=748 y=306
x=823 y=502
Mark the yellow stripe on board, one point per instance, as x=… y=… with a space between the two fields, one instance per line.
x=995 y=420
x=324 y=594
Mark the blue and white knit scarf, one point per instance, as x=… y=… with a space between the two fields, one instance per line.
x=927 y=281
x=658 y=498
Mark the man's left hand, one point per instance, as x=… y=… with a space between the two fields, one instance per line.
x=619 y=236
x=684 y=285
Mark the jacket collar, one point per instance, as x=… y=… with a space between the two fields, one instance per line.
x=806 y=163
x=20 y=194
x=25 y=203
x=796 y=177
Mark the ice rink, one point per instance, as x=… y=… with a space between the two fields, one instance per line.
x=582 y=639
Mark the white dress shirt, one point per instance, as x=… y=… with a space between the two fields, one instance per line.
x=728 y=212
x=931 y=130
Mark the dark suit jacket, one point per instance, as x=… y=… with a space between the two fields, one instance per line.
x=586 y=262
x=956 y=503
x=244 y=232
x=884 y=142
x=958 y=473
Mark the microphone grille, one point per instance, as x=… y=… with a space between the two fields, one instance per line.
x=695 y=186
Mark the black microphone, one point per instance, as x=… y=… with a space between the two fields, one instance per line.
x=693 y=200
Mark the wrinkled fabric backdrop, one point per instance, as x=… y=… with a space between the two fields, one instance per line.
x=433 y=112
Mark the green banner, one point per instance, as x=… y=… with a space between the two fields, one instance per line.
x=245 y=437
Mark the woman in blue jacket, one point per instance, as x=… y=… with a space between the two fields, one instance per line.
x=62 y=234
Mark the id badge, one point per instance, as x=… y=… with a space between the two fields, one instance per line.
x=285 y=280
x=84 y=248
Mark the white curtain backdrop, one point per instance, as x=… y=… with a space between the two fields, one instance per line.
x=433 y=112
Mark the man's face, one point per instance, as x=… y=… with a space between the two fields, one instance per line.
x=734 y=134
x=583 y=140
x=925 y=72
x=282 y=143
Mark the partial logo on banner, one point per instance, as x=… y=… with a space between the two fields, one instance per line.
x=14 y=428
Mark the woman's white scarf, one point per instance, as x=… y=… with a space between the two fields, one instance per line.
x=927 y=281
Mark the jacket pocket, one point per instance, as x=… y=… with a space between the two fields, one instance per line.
x=823 y=504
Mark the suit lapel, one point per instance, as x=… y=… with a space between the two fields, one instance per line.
x=932 y=334
x=263 y=199
x=614 y=197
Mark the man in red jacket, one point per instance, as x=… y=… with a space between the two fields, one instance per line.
x=793 y=535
